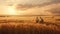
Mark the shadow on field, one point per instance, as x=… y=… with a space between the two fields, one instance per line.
x=25 y=28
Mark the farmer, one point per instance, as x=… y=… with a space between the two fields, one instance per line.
x=41 y=20
x=37 y=20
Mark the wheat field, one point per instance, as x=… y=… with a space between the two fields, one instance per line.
x=28 y=25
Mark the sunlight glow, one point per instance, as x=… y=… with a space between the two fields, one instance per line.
x=10 y=10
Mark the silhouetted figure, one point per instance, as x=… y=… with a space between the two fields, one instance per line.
x=37 y=20
x=41 y=20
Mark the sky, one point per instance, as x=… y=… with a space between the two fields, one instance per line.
x=29 y=7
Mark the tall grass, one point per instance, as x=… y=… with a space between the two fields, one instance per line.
x=28 y=28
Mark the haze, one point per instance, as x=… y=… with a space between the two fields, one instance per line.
x=29 y=7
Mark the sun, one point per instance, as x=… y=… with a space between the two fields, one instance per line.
x=10 y=10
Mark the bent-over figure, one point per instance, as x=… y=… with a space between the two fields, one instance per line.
x=37 y=20
x=41 y=20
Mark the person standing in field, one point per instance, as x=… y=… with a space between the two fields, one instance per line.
x=41 y=20
x=37 y=20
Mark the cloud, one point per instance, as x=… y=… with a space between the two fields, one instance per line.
x=24 y=5
x=34 y=7
x=55 y=11
x=29 y=2
x=52 y=9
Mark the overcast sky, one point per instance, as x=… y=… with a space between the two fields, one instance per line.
x=28 y=1
x=32 y=7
